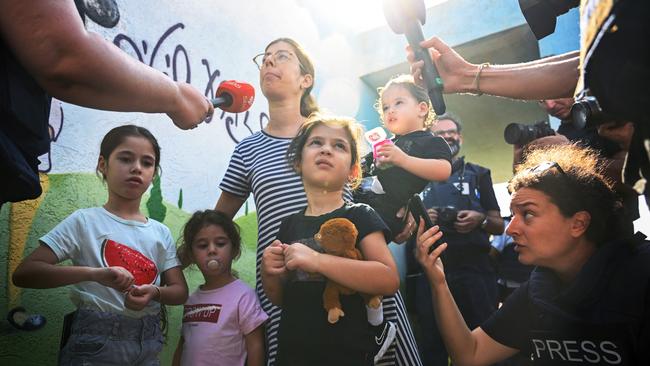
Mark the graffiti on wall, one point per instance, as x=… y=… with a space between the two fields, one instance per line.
x=174 y=61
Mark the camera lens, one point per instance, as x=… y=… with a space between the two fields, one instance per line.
x=579 y=115
x=516 y=132
x=586 y=112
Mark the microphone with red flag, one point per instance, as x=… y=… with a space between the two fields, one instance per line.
x=234 y=96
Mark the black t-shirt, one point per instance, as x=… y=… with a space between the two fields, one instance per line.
x=602 y=317
x=305 y=335
x=24 y=133
x=399 y=184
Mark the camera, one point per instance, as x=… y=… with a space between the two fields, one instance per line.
x=521 y=134
x=540 y=14
x=446 y=217
x=586 y=112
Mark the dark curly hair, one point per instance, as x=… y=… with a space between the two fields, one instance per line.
x=198 y=221
x=582 y=187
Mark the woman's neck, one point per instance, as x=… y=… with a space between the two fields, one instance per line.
x=126 y=209
x=218 y=281
x=573 y=263
x=284 y=118
x=321 y=201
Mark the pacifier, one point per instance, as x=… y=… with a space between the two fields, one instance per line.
x=213 y=264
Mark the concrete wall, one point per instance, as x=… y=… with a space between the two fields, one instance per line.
x=205 y=42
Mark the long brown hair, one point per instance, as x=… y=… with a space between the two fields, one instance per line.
x=308 y=103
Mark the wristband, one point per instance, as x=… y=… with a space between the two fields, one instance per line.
x=477 y=78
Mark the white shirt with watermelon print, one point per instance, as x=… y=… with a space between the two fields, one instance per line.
x=94 y=237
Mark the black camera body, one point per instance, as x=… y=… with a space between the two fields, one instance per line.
x=541 y=14
x=587 y=113
x=446 y=217
x=521 y=134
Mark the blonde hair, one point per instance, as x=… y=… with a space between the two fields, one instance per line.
x=421 y=96
x=353 y=129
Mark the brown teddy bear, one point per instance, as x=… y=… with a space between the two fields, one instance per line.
x=339 y=237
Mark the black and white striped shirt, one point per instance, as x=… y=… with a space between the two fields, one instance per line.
x=259 y=166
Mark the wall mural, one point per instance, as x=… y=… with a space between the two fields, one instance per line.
x=189 y=44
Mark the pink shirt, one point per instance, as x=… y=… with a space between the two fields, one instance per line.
x=215 y=323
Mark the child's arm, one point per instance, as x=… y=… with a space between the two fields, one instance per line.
x=255 y=347
x=178 y=354
x=173 y=293
x=273 y=271
x=429 y=169
x=40 y=270
x=375 y=275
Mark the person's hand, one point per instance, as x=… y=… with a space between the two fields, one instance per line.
x=431 y=263
x=300 y=256
x=191 y=107
x=390 y=154
x=409 y=228
x=468 y=220
x=452 y=67
x=139 y=296
x=273 y=259
x=117 y=278
x=433 y=215
x=619 y=132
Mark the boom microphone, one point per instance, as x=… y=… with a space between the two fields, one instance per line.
x=234 y=96
x=403 y=17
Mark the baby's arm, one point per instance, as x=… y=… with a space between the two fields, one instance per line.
x=274 y=271
x=173 y=293
x=255 y=347
x=429 y=169
x=40 y=270
x=375 y=275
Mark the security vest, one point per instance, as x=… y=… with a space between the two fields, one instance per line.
x=460 y=190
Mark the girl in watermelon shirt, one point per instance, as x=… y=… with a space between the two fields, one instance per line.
x=119 y=258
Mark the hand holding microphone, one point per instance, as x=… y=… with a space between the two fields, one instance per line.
x=231 y=96
x=234 y=96
x=404 y=17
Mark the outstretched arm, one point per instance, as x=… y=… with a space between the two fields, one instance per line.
x=548 y=78
x=80 y=67
x=465 y=347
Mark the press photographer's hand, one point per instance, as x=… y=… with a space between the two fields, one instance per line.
x=468 y=220
x=431 y=263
